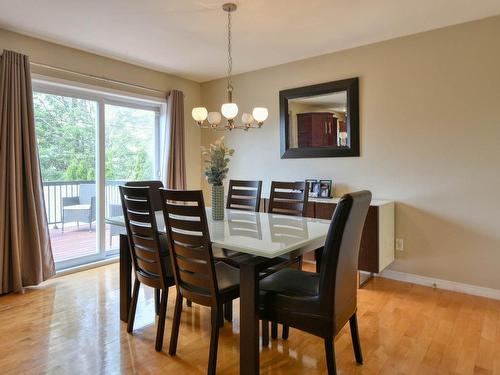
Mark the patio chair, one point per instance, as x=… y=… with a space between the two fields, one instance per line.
x=81 y=208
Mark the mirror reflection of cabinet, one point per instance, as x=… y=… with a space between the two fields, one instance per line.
x=320 y=120
x=316 y=129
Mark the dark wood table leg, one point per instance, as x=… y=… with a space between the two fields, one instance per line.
x=318 y=254
x=249 y=321
x=125 y=278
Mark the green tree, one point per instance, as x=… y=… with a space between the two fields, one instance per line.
x=66 y=133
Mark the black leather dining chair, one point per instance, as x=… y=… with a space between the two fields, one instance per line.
x=149 y=252
x=322 y=303
x=197 y=277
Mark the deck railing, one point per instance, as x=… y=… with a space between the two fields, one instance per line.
x=54 y=191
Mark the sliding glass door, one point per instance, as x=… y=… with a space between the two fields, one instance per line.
x=66 y=129
x=130 y=156
x=89 y=144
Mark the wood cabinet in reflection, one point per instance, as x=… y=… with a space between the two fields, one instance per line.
x=316 y=129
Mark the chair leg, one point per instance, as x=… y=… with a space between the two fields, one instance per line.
x=133 y=306
x=330 y=357
x=157 y=301
x=228 y=311
x=265 y=333
x=286 y=332
x=189 y=303
x=175 y=325
x=274 y=330
x=220 y=317
x=214 y=341
x=161 y=321
x=356 y=344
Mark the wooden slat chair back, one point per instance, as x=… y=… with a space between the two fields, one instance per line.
x=154 y=187
x=244 y=195
x=149 y=259
x=289 y=198
x=190 y=244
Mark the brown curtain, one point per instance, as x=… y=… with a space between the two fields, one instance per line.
x=176 y=165
x=25 y=249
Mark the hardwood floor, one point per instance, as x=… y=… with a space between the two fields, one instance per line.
x=71 y=325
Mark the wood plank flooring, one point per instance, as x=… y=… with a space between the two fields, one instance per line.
x=70 y=325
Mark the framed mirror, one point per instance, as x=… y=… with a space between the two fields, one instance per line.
x=320 y=120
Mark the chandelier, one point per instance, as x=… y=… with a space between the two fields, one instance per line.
x=229 y=110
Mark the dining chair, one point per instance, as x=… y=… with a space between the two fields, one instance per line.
x=115 y=209
x=322 y=303
x=287 y=198
x=149 y=251
x=197 y=277
x=243 y=195
x=154 y=188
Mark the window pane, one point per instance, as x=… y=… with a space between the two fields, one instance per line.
x=66 y=132
x=130 y=156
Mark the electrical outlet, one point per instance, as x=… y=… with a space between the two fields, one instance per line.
x=400 y=245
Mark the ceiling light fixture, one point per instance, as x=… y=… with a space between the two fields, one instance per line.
x=229 y=110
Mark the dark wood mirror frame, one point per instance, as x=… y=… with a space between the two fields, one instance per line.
x=351 y=86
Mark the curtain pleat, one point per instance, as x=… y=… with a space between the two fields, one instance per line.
x=25 y=249
x=176 y=161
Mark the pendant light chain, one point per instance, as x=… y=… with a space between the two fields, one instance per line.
x=229 y=56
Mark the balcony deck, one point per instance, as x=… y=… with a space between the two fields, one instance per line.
x=75 y=243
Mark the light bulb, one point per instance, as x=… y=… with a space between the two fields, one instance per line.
x=246 y=118
x=199 y=114
x=214 y=118
x=229 y=110
x=260 y=114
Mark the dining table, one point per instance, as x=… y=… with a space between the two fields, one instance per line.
x=265 y=236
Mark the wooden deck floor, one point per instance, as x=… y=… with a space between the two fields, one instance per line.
x=74 y=243
x=71 y=325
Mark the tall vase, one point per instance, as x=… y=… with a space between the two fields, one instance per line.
x=218 y=202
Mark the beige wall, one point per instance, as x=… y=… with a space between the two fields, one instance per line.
x=83 y=62
x=430 y=140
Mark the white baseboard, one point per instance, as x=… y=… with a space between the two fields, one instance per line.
x=442 y=284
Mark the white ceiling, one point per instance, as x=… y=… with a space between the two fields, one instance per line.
x=188 y=37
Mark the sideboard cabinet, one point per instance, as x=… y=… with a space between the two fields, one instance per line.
x=377 y=241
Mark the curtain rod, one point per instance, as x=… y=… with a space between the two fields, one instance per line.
x=98 y=78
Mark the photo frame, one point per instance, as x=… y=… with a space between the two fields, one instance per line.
x=315 y=189
x=311 y=181
x=325 y=188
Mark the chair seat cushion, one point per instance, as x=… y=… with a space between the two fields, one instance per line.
x=79 y=207
x=228 y=277
x=291 y=282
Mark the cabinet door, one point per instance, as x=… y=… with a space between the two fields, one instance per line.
x=304 y=129
x=318 y=130
x=368 y=250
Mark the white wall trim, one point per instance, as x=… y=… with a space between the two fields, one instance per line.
x=442 y=284
x=87 y=266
